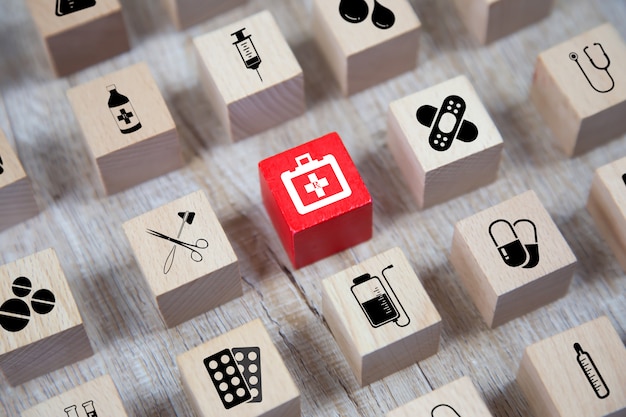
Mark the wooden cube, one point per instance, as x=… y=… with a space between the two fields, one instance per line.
x=185 y=258
x=512 y=259
x=490 y=20
x=579 y=87
x=607 y=205
x=40 y=326
x=239 y=373
x=381 y=316
x=79 y=33
x=456 y=399
x=250 y=75
x=186 y=13
x=316 y=199
x=17 y=199
x=366 y=43
x=98 y=397
x=578 y=373
x=128 y=128
x=443 y=141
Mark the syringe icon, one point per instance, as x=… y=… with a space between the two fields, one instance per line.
x=247 y=51
x=591 y=372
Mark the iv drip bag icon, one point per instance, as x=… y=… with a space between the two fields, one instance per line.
x=247 y=51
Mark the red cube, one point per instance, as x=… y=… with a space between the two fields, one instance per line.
x=316 y=199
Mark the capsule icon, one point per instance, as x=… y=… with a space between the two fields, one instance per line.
x=509 y=246
x=527 y=232
x=444 y=410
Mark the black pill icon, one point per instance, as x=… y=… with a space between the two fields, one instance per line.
x=14 y=315
x=22 y=286
x=42 y=301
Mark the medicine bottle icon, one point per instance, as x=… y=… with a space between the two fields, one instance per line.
x=122 y=111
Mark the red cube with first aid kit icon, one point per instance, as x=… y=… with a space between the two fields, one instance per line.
x=316 y=199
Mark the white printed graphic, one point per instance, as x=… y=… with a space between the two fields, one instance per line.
x=315 y=183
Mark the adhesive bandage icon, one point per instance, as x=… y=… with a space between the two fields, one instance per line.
x=591 y=372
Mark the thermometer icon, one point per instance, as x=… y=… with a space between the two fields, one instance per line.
x=591 y=372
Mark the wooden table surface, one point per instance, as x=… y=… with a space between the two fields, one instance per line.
x=130 y=340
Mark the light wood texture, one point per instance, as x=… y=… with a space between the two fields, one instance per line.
x=362 y=55
x=101 y=392
x=247 y=100
x=279 y=394
x=503 y=290
x=49 y=340
x=17 y=199
x=195 y=282
x=186 y=13
x=81 y=38
x=125 y=158
x=456 y=399
x=434 y=175
x=552 y=378
x=375 y=342
x=583 y=105
x=129 y=337
x=607 y=206
x=490 y=20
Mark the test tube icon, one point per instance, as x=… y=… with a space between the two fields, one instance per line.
x=247 y=51
x=591 y=372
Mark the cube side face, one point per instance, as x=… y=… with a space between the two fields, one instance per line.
x=11 y=169
x=475 y=16
x=17 y=203
x=187 y=13
x=328 y=45
x=601 y=128
x=509 y=16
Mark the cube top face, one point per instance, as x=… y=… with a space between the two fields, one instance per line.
x=445 y=123
x=586 y=70
x=54 y=17
x=380 y=301
x=98 y=397
x=361 y=25
x=582 y=370
x=456 y=399
x=239 y=373
x=515 y=242
x=36 y=301
x=246 y=57
x=10 y=167
x=314 y=182
x=613 y=176
x=120 y=109
x=187 y=224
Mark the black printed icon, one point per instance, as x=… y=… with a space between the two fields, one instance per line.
x=15 y=312
x=88 y=406
x=591 y=372
x=449 y=123
x=515 y=250
x=623 y=178
x=236 y=375
x=356 y=11
x=1 y=167
x=444 y=410
x=607 y=63
x=70 y=6
x=378 y=300
x=123 y=112
x=247 y=51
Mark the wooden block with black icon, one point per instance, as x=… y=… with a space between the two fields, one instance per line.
x=129 y=130
x=444 y=141
x=239 y=373
x=79 y=33
x=186 y=13
x=381 y=316
x=366 y=42
x=607 y=206
x=17 y=199
x=250 y=75
x=41 y=329
x=186 y=258
x=98 y=397
x=579 y=87
x=578 y=373
x=512 y=259
x=490 y=20
x=457 y=399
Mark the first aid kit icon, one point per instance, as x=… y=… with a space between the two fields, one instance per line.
x=314 y=184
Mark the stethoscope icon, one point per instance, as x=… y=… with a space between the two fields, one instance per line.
x=574 y=57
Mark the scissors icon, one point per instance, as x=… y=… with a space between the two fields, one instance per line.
x=574 y=57
x=195 y=255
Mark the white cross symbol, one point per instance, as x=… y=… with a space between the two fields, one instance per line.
x=316 y=185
